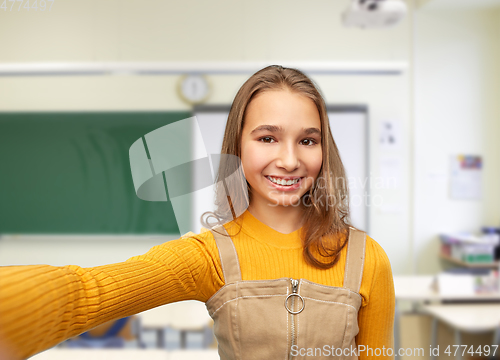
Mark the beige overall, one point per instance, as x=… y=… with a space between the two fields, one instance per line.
x=286 y=318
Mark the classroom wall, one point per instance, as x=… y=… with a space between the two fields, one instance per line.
x=262 y=31
x=123 y=30
x=199 y=31
x=457 y=112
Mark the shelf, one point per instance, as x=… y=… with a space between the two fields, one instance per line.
x=470 y=265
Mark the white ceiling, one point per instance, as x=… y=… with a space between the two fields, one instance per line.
x=448 y=4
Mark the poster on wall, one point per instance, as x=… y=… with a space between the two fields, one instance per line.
x=466 y=177
x=390 y=135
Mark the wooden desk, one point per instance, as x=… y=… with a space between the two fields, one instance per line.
x=193 y=355
x=418 y=288
x=474 y=318
x=101 y=354
x=125 y=354
x=463 y=317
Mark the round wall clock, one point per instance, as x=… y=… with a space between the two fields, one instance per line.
x=194 y=89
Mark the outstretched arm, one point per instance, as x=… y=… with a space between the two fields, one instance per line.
x=42 y=305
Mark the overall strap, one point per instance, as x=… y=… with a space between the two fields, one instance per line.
x=228 y=256
x=355 y=259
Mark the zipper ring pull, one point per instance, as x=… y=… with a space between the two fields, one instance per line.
x=291 y=311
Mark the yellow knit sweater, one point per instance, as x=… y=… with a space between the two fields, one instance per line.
x=42 y=305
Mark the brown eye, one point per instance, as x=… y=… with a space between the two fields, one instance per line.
x=265 y=139
x=310 y=142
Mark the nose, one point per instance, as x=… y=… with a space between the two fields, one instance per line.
x=288 y=158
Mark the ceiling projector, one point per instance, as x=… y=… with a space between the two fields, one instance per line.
x=374 y=13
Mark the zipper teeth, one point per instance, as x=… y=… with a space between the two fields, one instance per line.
x=293 y=321
x=294 y=290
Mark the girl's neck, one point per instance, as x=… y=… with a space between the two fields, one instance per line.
x=284 y=219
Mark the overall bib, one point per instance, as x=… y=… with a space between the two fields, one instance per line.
x=286 y=318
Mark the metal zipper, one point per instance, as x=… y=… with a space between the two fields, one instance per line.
x=293 y=312
x=295 y=283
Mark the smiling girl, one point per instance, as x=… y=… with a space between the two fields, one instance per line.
x=288 y=277
x=280 y=142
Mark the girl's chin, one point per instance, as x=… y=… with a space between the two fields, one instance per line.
x=287 y=201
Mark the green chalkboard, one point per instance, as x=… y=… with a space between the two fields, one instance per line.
x=69 y=173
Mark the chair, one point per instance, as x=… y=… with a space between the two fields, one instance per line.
x=191 y=316
x=184 y=317
x=121 y=333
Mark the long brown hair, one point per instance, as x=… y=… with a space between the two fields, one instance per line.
x=326 y=212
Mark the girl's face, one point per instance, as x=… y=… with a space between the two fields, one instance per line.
x=281 y=150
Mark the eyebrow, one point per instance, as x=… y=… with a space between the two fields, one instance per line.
x=279 y=129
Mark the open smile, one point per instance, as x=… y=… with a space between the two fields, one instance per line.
x=285 y=183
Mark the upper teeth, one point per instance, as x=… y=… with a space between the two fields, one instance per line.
x=283 y=182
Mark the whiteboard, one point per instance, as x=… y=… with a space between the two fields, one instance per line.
x=349 y=125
